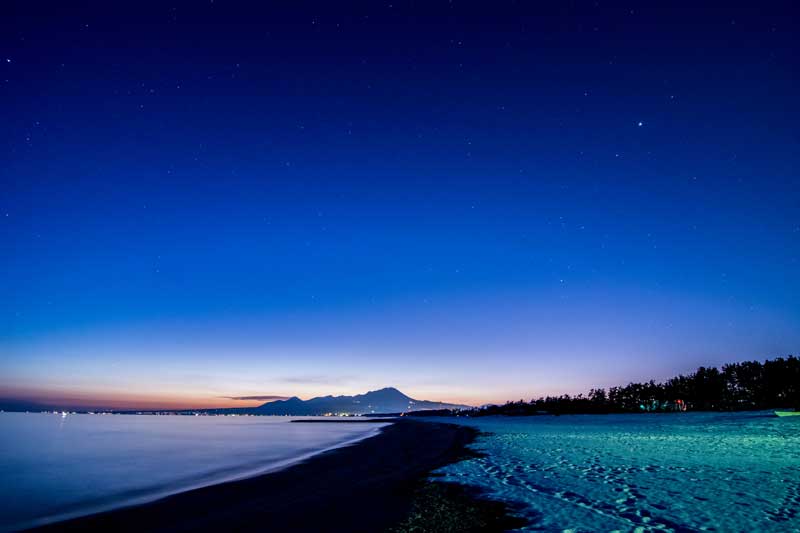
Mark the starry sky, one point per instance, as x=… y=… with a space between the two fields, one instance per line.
x=202 y=201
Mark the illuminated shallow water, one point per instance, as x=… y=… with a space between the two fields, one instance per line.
x=54 y=468
x=667 y=472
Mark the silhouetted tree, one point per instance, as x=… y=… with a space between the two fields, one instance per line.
x=737 y=386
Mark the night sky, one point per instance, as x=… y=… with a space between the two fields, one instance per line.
x=469 y=202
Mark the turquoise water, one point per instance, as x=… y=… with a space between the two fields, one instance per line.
x=667 y=472
x=54 y=467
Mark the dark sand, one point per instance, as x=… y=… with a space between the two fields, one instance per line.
x=372 y=486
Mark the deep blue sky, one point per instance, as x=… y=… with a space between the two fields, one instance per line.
x=470 y=202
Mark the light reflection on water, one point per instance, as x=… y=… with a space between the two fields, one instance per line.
x=52 y=467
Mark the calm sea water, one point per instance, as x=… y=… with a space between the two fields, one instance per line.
x=53 y=468
x=669 y=472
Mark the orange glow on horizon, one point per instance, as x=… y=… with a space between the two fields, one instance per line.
x=122 y=401
x=112 y=400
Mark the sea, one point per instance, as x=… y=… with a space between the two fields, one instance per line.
x=54 y=467
x=650 y=472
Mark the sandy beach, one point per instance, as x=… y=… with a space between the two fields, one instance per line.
x=376 y=485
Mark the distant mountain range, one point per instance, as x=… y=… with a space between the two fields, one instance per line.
x=387 y=400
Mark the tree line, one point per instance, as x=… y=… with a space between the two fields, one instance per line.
x=749 y=385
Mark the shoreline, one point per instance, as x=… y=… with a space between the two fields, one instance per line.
x=370 y=486
x=149 y=497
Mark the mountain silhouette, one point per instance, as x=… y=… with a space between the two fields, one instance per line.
x=386 y=400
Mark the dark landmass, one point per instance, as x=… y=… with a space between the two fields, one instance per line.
x=384 y=400
x=745 y=386
x=379 y=484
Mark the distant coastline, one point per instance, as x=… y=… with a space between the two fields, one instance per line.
x=744 y=386
x=387 y=399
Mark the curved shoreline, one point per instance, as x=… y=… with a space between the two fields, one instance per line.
x=368 y=487
x=149 y=495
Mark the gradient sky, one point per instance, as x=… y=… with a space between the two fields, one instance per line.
x=474 y=203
